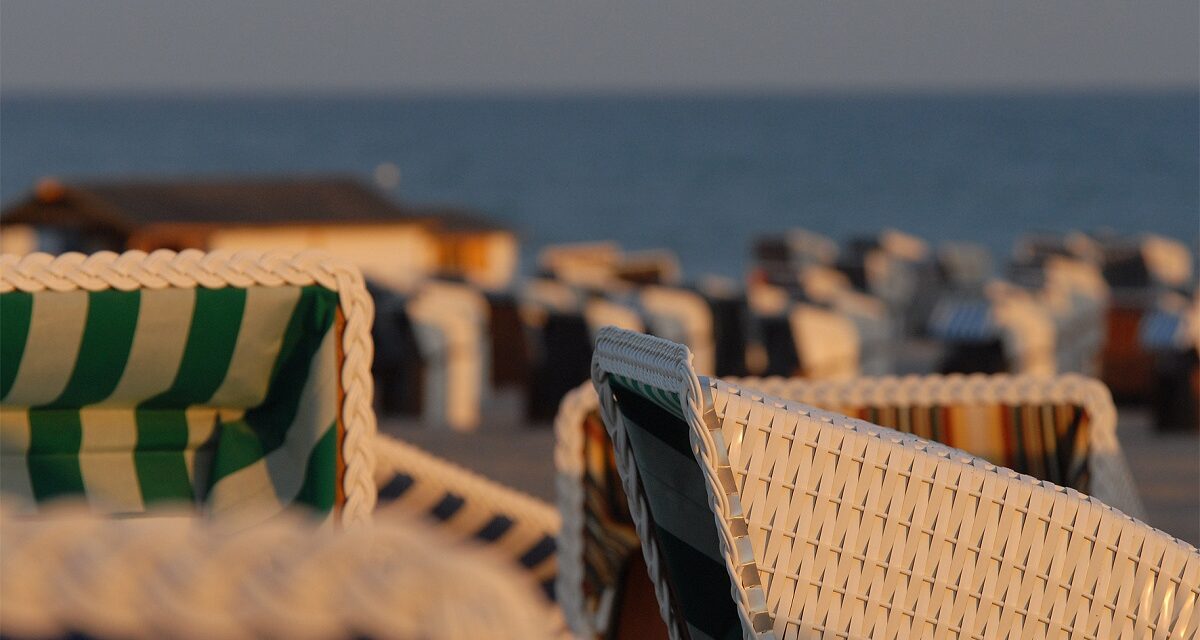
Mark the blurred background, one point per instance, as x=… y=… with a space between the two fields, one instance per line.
x=946 y=158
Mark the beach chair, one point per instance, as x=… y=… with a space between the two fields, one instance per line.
x=239 y=384
x=1077 y=296
x=236 y=386
x=72 y=575
x=681 y=316
x=450 y=322
x=795 y=338
x=1170 y=333
x=1064 y=427
x=1027 y=329
x=768 y=518
x=560 y=343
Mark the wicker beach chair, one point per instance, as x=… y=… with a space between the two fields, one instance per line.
x=72 y=575
x=235 y=385
x=1064 y=428
x=824 y=526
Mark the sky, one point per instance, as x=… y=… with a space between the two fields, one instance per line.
x=594 y=45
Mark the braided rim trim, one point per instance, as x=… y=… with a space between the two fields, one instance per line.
x=1112 y=481
x=74 y=572
x=666 y=365
x=192 y=268
x=568 y=481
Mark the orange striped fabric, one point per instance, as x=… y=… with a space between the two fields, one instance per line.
x=1046 y=441
x=609 y=537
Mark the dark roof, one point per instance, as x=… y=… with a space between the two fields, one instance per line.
x=128 y=205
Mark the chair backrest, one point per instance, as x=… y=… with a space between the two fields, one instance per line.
x=1063 y=426
x=825 y=525
x=238 y=383
x=1061 y=429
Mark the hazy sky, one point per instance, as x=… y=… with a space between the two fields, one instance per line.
x=236 y=45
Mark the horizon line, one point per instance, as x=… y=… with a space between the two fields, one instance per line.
x=30 y=92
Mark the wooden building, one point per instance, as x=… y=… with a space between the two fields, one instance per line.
x=394 y=244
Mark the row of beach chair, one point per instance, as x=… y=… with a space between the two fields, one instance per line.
x=238 y=388
x=810 y=308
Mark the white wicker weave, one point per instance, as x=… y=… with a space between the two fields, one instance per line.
x=191 y=268
x=833 y=527
x=70 y=575
x=1111 y=481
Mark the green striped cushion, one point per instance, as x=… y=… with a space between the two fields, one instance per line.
x=224 y=398
x=684 y=526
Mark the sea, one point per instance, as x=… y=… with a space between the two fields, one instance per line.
x=701 y=174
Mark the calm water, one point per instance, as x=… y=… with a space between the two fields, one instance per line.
x=700 y=174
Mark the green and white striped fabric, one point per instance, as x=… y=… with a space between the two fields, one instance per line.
x=684 y=526
x=225 y=399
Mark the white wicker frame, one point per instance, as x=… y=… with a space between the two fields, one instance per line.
x=191 y=268
x=1150 y=585
x=568 y=483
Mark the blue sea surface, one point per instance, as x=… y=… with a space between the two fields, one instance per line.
x=700 y=174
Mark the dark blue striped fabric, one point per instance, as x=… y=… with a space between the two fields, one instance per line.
x=1160 y=329
x=451 y=503
x=963 y=321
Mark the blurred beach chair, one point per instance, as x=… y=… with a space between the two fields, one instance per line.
x=1032 y=249
x=1078 y=297
x=869 y=315
x=1144 y=262
x=236 y=386
x=1170 y=334
x=450 y=322
x=681 y=316
x=730 y=317
x=1139 y=270
x=1061 y=429
x=560 y=343
x=964 y=266
x=398 y=366
x=71 y=575
x=821 y=525
x=845 y=335
x=779 y=259
x=898 y=269
x=239 y=384
x=1027 y=329
x=598 y=264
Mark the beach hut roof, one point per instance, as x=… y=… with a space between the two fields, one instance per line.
x=239 y=201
